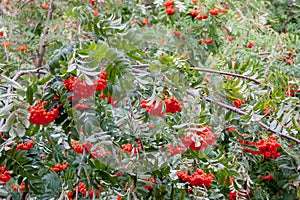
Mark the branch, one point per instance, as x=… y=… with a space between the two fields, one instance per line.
x=264 y=53
x=24 y=4
x=228 y=107
x=44 y=42
x=4 y=86
x=225 y=73
x=236 y=110
x=140 y=66
x=30 y=71
x=208 y=71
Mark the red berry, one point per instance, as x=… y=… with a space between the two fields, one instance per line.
x=250 y=45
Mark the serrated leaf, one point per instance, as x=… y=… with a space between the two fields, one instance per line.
x=6 y=96
x=5 y=110
x=12 y=82
x=256 y=117
x=8 y=123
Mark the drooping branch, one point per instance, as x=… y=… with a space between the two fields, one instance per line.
x=225 y=73
x=228 y=107
x=238 y=111
x=4 y=86
x=44 y=41
x=30 y=71
x=207 y=71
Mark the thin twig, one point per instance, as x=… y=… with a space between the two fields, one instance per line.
x=4 y=86
x=5 y=50
x=140 y=66
x=264 y=53
x=44 y=41
x=208 y=71
x=24 y=4
x=30 y=71
x=225 y=73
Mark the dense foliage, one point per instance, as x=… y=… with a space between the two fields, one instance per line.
x=186 y=99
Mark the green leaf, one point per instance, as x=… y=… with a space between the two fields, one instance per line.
x=247 y=116
x=29 y=95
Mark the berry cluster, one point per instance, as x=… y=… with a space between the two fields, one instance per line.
x=81 y=106
x=129 y=148
x=172 y=105
x=25 y=145
x=178 y=34
x=81 y=188
x=207 y=138
x=250 y=44
x=289 y=56
x=238 y=103
x=39 y=115
x=198 y=15
x=268 y=111
x=230 y=129
x=97 y=194
x=6 y=44
x=4 y=175
x=79 y=148
x=215 y=11
x=292 y=91
x=101 y=82
x=70 y=195
x=19 y=188
x=198 y=178
x=145 y=21
x=267 y=177
x=169 y=7
x=267 y=148
x=45 y=6
x=59 y=167
x=97 y=154
x=22 y=48
x=151 y=180
x=206 y=41
x=175 y=149
x=81 y=89
x=154 y=111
